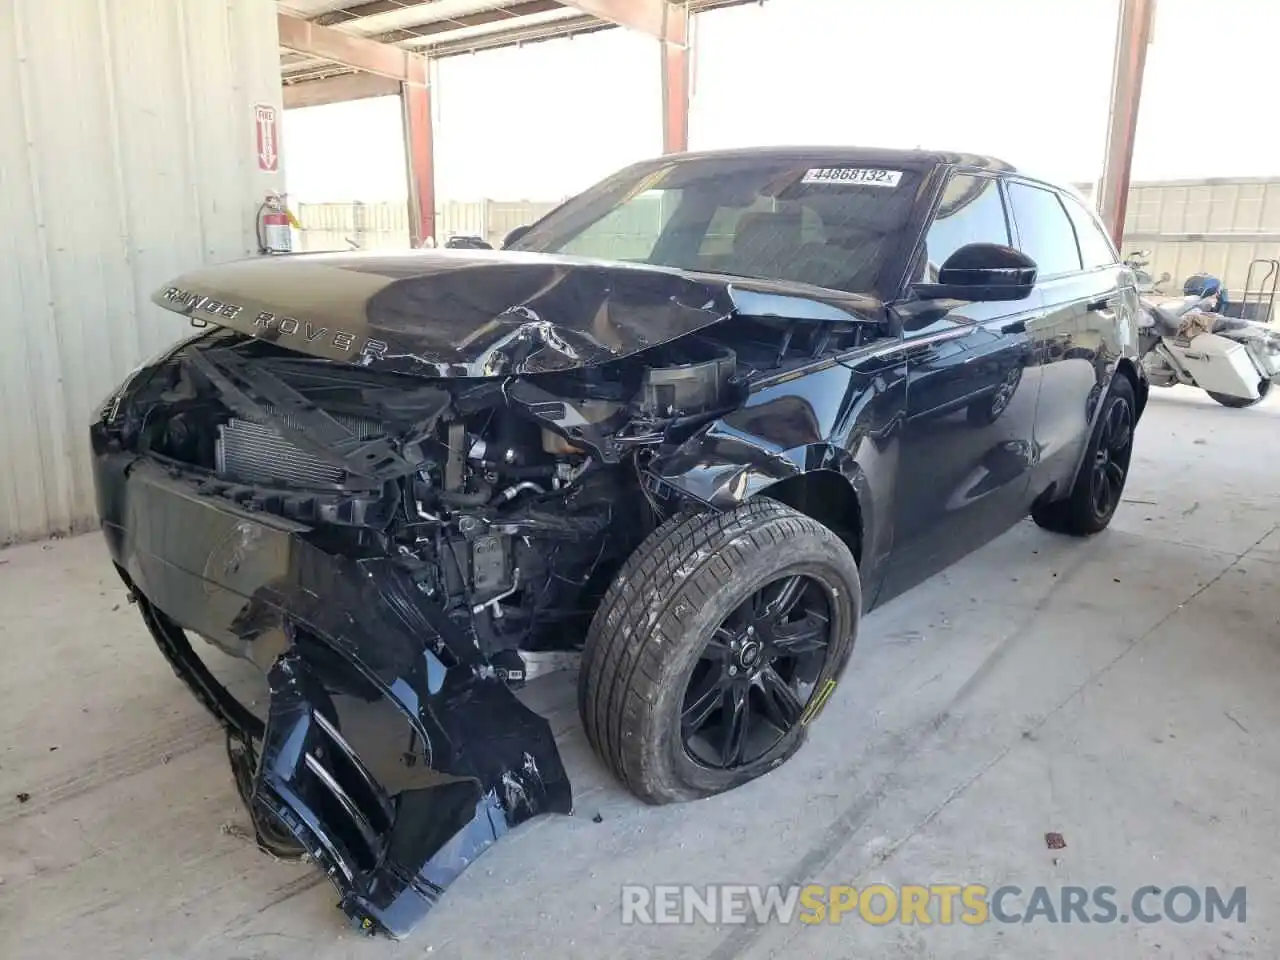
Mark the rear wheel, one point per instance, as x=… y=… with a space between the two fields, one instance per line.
x=1099 y=485
x=717 y=644
x=1229 y=401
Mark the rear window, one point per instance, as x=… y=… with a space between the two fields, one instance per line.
x=1096 y=249
x=1047 y=235
x=838 y=225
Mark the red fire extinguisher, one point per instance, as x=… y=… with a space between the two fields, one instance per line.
x=274 y=222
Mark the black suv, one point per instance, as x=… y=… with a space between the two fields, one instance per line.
x=691 y=425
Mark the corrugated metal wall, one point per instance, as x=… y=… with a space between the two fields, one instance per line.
x=385 y=225
x=127 y=154
x=1218 y=226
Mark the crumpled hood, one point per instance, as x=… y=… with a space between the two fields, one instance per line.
x=479 y=313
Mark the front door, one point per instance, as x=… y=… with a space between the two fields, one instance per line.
x=973 y=380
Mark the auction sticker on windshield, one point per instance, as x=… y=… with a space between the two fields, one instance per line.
x=862 y=176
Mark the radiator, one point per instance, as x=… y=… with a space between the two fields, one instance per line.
x=252 y=452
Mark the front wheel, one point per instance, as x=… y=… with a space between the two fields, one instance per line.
x=718 y=642
x=1099 y=484
x=1229 y=401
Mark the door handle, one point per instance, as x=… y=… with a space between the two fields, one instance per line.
x=1017 y=326
x=1106 y=303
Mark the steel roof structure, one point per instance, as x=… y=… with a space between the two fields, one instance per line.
x=337 y=50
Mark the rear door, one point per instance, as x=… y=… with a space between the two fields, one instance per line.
x=972 y=384
x=1087 y=300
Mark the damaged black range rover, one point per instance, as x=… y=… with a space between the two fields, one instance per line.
x=690 y=426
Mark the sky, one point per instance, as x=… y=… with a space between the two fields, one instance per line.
x=1024 y=80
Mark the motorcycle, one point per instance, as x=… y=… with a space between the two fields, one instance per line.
x=1187 y=340
x=1138 y=261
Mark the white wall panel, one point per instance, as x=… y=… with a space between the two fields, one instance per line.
x=127 y=155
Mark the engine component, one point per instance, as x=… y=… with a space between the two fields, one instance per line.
x=689 y=388
x=489 y=560
x=455 y=465
x=256 y=453
x=592 y=411
x=512 y=492
x=494 y=604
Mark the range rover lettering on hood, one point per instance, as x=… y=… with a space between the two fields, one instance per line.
x=264 y=321
x=480 y=313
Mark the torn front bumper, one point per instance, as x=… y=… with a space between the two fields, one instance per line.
x=389 y=751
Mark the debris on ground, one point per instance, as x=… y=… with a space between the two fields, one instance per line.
x=1227 y=714
x=23 y=797
x=1055 y=841
x=1149 y=503
x=597 y=819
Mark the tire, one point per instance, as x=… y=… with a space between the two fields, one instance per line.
x=663 y=623
x=1081 y=514
x=1264 y=387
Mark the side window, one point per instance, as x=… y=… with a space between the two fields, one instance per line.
x=1095 y=246
x=1047 y=235
x=971 y=211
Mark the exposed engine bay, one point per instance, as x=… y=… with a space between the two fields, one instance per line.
x=496 y=495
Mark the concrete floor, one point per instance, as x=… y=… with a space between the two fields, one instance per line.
x=1120 y=691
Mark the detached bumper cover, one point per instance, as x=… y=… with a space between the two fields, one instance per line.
x=389 y=751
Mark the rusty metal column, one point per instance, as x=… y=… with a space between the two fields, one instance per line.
x=415 y=99
x=675 y=48
x=1133 y=35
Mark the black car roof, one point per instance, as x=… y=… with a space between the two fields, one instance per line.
x=846 y=154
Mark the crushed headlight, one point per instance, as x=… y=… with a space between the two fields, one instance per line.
x=107 y=411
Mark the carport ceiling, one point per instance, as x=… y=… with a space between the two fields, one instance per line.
x=443 y=28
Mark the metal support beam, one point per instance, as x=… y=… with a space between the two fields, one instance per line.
x=415 y=98
x=351 y=51
x=1133 y=35
x=369 y=8
x=481 y=18
x=643 y=16
x=351 y=86
x=675 y=80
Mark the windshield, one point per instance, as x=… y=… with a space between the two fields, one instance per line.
x=838 y=226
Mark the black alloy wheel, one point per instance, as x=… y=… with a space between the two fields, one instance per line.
x=1098 y=488
x=756 y=674
x=719 y=643
x=1111 y=459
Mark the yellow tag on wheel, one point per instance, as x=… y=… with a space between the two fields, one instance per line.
x=817 y=703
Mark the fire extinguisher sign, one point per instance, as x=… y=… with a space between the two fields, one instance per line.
x=268 y=137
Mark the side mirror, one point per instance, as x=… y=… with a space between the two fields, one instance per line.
x=515 y=235
x=982 y=271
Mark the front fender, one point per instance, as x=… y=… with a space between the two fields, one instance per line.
x=835 y=420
